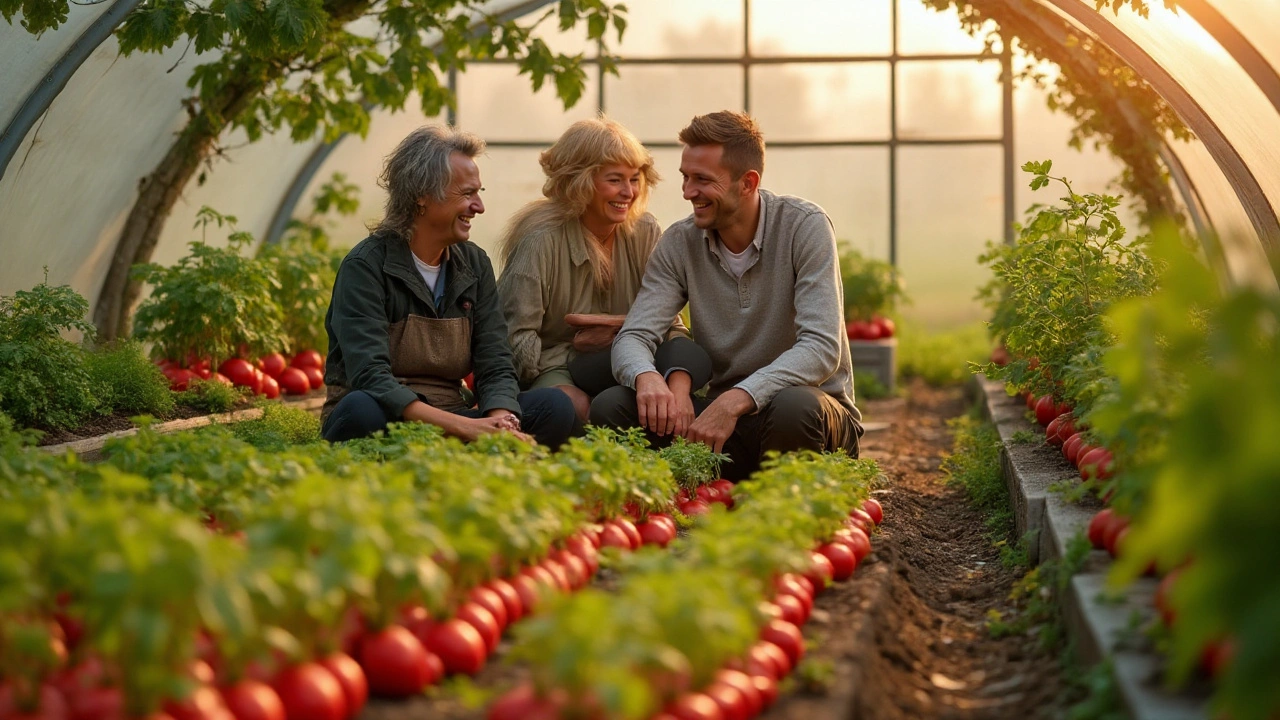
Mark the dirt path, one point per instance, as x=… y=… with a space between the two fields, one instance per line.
x=918 y=647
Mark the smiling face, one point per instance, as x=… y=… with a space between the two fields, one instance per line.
x=448 y=221
x=616 y=188
x=710 y=187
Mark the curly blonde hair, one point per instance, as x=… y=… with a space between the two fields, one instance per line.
x=571 y=165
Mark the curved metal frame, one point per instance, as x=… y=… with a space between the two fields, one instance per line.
x=42 y=96
x=1235 y=43
x=1256 y=205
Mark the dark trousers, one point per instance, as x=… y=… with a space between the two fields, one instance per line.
x=798 y=418
x=546 y=414
x=593 y=372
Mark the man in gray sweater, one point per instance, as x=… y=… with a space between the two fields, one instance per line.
x=762 y=280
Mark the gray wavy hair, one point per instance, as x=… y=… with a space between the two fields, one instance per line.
x=419 y=167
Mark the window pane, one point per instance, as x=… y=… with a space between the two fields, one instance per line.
x=498 y=104
x=851 y=184
x=1257 y=20
x=949 y=99
x=666 y=201
x=656 y=101
x=511 y=177
x=570 y=42
x=923 y=30
x=943 y=225
x=665 y=28
x=821 y=27
x=837 y=101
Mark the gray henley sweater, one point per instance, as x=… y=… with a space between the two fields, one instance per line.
x=780 y=324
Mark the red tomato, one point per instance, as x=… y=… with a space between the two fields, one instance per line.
x=786 y=636
x=1111 y=536
x=655 y=533
x=629 y=528
x=695 y=706
x=306 y=359
x=524 y=703
x=315 y=376
x=542 y=575
x=204 y=703
x=665 y=520
x=489 y=599
x=253 y=700
x=614 y=536
x=858 y=542
x=1071 y=448
x=179 y=378
x=1046 y=410
x=220 y=378
x=581 y=546
x=733 y=705
x=510 y=598
x=843 y=563
x=94 y=703
x=395 y=663
x=294 y=381
x=240 y=372
x=309 y=692
x=530 y=592
x=1066 y=429
x=793 y=608
x=202 y=672
x=767 y=687
x=484 y=622
x=1000 y=356
x=50 y=706
x=1216 y=656
x=742 y=681
x=821 y=571
x=458 y=645
x=470 y=381
x=1098 y=528
x=693 y=508
x=270 y=388
x=796 y=591
x=886 y=327
x=1096 y=463
x=1051 y=431
x=765 y=658
x=804 y=582
x=874 y=510
x=272 y=364
x=575 y=567
x=863 y=520
x=349 y=674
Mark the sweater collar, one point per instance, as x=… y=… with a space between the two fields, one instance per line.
x=713 y=237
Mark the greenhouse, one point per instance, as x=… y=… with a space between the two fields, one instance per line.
x=704 y=359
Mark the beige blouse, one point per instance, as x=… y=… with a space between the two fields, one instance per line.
x=549 y=276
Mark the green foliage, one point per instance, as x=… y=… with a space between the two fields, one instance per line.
x=941 y=358
x=1192 y=421
x=869 y=386
x=692 y=464
x=1101 y=698
x=43 y=380
x=974 y=466
x=1050 y=291
x=280 y=427
x=305 y=262
x=211 y=396
x=213 y=303
x=871 y=287
x=125 y=380
x=1038 y=596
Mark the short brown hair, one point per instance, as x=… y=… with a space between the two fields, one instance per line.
x=737 y=132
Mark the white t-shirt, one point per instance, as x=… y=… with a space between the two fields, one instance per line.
x=739 y=262
x=430 y=273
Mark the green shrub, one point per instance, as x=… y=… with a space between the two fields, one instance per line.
x=213 y=303
x=941 y=358
x=126 y=381
x=210 y=396
x=871 y=287
x=43 y=380
x=868 y=386
x=279 y=427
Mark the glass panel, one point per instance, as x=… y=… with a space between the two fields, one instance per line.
x=949 y=205
x=923 y=30
x=836 y=101
x=498 y=104
x=1042 y=134
x=26 y=58
x=512 y=177
x=851 y=184
x=1257 y=20
x=656 y=101
x=666 y=201
x=665 y=28
x=949 y=99
x=570 y=42
x=1198 y=63
x=821 y=27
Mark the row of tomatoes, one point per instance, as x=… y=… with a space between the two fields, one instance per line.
x=877 y=328
x=271 y=376
x=747 y=685
x=1108 y=528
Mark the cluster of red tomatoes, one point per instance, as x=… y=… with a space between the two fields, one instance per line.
x=877 y=328
x=271 y=376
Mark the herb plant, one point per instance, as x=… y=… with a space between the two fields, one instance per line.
x=871 y=287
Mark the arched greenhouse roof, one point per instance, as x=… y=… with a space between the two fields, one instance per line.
x=904 y=126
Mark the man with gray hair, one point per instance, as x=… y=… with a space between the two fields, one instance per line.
x=415 y=310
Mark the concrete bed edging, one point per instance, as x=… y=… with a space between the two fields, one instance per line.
x=1099 y=619
x=90 y=449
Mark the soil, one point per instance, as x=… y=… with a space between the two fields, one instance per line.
x=906 y=638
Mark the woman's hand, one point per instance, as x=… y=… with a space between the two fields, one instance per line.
x=468 y=429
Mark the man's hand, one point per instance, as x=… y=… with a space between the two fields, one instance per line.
x=679 y=382
x=468 y=429
x=655 y=403
x=508 y=419
x=714 y=426
x=596 y=337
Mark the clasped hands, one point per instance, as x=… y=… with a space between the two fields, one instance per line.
x=595 y=331
x=665 y=407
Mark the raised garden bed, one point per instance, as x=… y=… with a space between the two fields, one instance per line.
x=1102 y=621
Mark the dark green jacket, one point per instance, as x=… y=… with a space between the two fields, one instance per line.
x=378 y=285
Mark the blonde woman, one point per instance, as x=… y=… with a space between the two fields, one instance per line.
x=573 y=261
